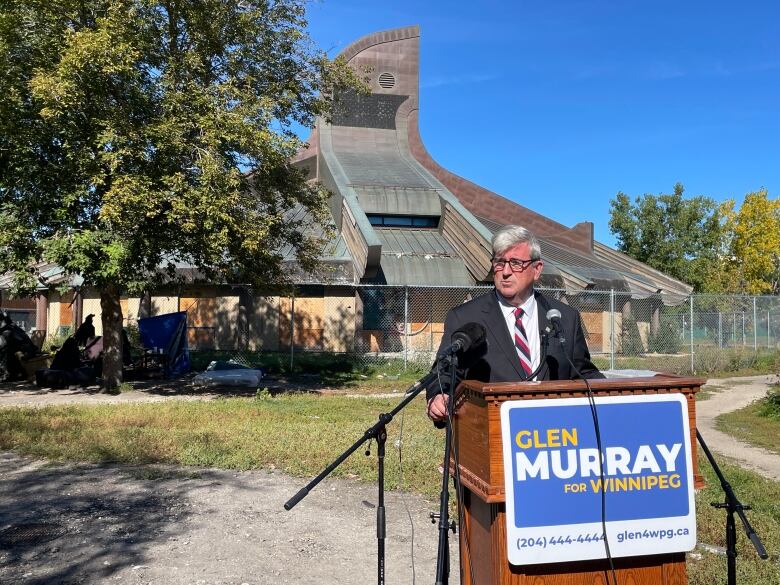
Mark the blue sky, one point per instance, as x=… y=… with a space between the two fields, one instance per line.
x=560 y=104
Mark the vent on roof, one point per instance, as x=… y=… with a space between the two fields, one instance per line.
x=386 y=80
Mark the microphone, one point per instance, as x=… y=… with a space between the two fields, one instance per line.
x=554 y=317
x=468 y=336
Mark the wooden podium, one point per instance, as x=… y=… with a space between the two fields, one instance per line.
x=477 y=436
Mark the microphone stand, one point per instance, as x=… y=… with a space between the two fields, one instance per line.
x=732 y=505
x=377 y=432
x=544 y=339
x=443 y=555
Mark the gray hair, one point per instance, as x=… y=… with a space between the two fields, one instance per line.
x=511 y=235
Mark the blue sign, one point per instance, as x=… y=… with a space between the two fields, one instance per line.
x=555 y=483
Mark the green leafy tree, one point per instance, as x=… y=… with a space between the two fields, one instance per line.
x=752 y=265
x=681 y=237
x=127 y=128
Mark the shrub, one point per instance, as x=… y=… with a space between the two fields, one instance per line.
x=770 y=406
x=53 y=342
x=668 y=338
x=712 y=360
x=631 y=339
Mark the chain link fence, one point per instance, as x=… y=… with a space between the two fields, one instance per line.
x=398 y=328
x=387 y=329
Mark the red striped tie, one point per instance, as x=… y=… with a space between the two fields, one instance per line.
x=521 y=342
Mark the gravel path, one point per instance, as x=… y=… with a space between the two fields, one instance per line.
x=731 y=394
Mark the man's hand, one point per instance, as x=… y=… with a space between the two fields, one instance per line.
x=437 y=407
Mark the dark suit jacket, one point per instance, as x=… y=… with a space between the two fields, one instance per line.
x=497 y=361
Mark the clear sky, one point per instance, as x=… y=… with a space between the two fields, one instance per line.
x=560 y=104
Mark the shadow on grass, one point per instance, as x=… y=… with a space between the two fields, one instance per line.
x=171 y=387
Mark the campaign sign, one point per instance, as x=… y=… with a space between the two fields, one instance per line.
x=554 y=483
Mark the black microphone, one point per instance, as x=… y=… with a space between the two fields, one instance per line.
x=468 y=336
x=554 y=317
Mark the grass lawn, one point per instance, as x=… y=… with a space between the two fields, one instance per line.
x=758 y=423
x=764 y=497
x=301 y=434
x=298 y=434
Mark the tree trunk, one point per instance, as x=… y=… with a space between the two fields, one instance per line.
x=145 y=305
x=78 y=309
x=112 y=337
x=655 y=321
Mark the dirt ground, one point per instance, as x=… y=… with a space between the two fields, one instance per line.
x=168 y=526
x=163 y=525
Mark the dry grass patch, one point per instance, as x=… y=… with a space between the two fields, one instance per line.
x=298 y=434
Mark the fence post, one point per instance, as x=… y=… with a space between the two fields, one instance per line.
x=292 y=330
x=612 y=329
x=768 y=338
x=693 y=367
x=743 y=328
x=755 y=326
x=430 y=325
x=406 y=326
x=720 y=330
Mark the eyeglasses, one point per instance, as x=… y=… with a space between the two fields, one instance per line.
x=515 y=264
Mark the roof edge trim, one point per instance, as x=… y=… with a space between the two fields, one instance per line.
x=379 y=38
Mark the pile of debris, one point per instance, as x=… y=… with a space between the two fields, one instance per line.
x=18 y=354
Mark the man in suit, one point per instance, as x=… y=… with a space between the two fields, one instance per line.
x=515 y=318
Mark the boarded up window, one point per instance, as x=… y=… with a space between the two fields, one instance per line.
x=592 y=323
x=66 y=311
x=201 y=320
x=309 y=322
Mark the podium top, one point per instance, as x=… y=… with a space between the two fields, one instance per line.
x=610 y=386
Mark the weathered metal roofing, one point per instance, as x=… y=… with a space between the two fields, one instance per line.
x=420 y=242
x=409 y=270
x=50 y=274
x=419 y=257
x=672 y=290
x=335 y=249
x=369 y=165
x=380 y=168
x=399 y=200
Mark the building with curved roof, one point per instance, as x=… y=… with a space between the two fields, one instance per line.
x=403 y=219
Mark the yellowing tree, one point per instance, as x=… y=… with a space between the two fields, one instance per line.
x=753 y=234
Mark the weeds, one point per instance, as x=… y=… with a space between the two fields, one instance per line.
x=758 y=423
x=770 y=406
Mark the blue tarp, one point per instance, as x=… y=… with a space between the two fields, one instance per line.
x=168 y=333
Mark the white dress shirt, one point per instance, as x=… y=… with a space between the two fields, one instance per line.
x=530 y=322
